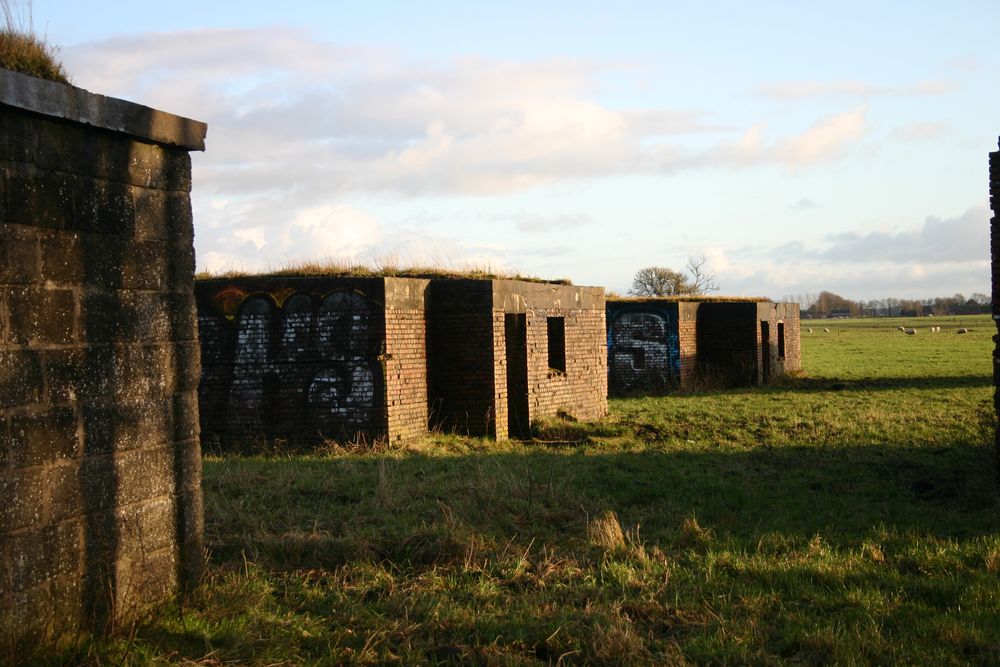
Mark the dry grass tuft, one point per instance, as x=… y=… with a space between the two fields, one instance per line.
x=605 y=531
x=21 y=50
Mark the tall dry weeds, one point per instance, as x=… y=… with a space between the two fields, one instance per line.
x=22 y=49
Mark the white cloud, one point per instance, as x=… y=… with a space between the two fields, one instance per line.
x=799 y=90
x=304 y=130
x=926 y=260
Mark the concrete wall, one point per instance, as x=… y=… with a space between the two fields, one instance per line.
x=994 y=159
x=100 y=467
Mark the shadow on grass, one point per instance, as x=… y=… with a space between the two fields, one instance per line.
x=800 y=384
x=419 y=510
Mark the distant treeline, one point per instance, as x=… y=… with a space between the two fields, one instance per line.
x=828 y=304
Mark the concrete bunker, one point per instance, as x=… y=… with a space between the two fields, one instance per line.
x=668 y=343
x=306 y=359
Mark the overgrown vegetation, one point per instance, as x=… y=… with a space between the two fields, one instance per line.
x=846 y=517
x=380 y=268
x=22 y=49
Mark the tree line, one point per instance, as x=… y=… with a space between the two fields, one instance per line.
x=828 y=304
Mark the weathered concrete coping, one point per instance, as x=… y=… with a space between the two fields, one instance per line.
x=59 y=100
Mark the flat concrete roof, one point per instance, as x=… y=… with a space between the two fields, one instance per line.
x=60 y=100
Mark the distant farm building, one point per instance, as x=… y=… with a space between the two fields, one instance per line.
x=304 y=359
x=658 y=344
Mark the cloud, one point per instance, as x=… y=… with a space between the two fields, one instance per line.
x=939 y=256
x=919 y=131
x=800 y=90
x=827 y=139
x=302 y=132
x=803 y=205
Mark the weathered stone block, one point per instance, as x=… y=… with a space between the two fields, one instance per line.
x=113 y=427
x=39 y=198
x=62 y=258
x=39 y=556
x=20 y=378
x=39 y=315
x=21 y=499
x=144 y=474
x=104 y=207
x=19 y=258
x=44 y=436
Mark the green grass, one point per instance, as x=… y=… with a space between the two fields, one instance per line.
x=848 y=516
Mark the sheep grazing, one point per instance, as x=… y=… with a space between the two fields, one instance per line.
x=809 y=330
x=826 y=329
x=962 y=331
x=901 y=327
x=910 y=332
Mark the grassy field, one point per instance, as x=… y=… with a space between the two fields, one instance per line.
x=849 y=516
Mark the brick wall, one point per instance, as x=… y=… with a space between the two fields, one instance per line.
x=580 y=390
x=100 y=491
x=297 y=361
x=687 y=343
x=644 y=346
x=461 y=356
x=405 y=358
x=728 y=343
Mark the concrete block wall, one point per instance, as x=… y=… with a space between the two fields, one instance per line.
x=100 y=467
x=994 y=176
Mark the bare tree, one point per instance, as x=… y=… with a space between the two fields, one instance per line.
x=663 y=281
x=702 y=280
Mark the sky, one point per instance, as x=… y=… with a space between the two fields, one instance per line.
x=798 y=147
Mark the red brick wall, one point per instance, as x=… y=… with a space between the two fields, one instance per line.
x=405 y=358
x=460 y=356
x=994 y=160
x=580 y=391
x=687 y=334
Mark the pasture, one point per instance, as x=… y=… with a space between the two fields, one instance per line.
x=846 y=516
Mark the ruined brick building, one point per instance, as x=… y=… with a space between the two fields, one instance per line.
x=310 y=358
x=656 y=344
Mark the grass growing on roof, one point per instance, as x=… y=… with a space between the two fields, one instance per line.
x=24 y=51
x=377 y=269
x=849 y=516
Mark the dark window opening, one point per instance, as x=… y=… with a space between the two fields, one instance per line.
x=781 y=340
x=557 y=343
x=638 y=358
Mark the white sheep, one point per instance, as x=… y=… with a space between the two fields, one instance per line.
x=910 y=332
x=809 y=330
x=962 y=331
x=826 y=329
x=901 y=327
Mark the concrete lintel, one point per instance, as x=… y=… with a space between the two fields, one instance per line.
x=77 y=105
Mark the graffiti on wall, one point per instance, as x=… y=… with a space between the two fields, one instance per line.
x=643 y=351
x=294 y=363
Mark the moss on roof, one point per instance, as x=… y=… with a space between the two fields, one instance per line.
x=342 y=270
